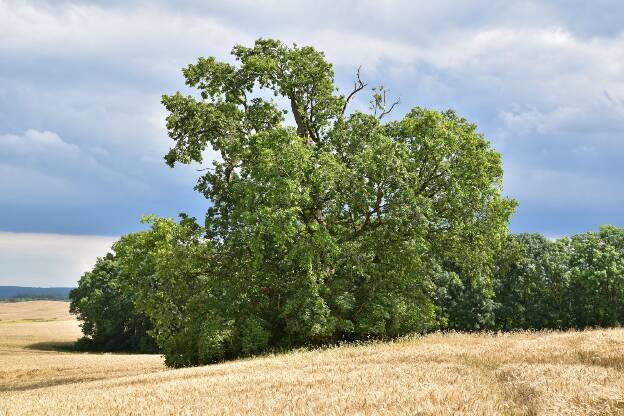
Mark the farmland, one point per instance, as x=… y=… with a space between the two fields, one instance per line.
x=511 y=374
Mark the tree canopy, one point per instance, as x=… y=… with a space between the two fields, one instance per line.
x=328 y=225
x=324 y=224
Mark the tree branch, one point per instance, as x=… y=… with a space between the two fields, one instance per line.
x=358 y=86
x=383 y=106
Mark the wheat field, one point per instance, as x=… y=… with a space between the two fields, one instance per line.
x=541 y=373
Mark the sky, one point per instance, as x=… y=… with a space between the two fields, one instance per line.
x=82 y=130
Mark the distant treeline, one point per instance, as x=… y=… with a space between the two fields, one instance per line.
x=15 y=293
x=539 y=283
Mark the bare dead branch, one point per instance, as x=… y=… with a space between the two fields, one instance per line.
x=358 y=86
x=386 y=112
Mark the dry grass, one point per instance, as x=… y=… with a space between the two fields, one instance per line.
x=36 y=310
x=571 y=373
x=28 y=362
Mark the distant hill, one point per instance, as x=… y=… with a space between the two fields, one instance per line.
x=18 y=292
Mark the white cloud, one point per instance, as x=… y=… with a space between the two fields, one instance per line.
x=33 y=141
x=48 y=259
x=138 y=34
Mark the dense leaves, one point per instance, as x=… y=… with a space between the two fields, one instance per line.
x=168 y=269
x=106 y=309
x=538 y=283
x=596 y=276
x=331 y=229
x=573 y=282
x=326 y=225
x=531 y=283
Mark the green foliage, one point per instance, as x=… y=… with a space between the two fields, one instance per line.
x=337 y=227
x=109 y=320
x=596 y=274
x=531 y=283
x=467 y=304
x=332 y=229
x=169 y=276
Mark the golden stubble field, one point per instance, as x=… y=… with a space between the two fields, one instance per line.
x=571 y=373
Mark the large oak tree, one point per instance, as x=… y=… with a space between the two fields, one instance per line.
x=325 y=224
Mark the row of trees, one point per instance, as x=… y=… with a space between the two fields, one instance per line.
x=573 y=282
x=537 y=283
x=325 y=225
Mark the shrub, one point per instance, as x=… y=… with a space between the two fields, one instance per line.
x=105 y=307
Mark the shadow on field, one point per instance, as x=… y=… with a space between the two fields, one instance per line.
x=47 y=383
x=59 y=346
x=73 y=346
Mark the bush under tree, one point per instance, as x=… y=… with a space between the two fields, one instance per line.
x=109 y=320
